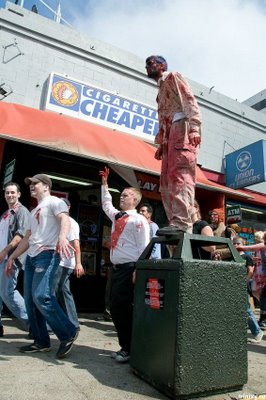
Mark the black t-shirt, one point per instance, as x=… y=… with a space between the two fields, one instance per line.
x=197 y=228
x=249 y=263
x=248 y=259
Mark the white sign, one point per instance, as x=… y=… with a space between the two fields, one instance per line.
x=233 y=214
x=87 y=102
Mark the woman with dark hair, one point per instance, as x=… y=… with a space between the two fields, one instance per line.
x=202 y=227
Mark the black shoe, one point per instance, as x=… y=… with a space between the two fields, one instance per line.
x=114 y=354
x=1 y=331
x=66 y=346
x=34 y=348
x=168 y=230
x=122 y=356
x=107 y=316
x=30 y=335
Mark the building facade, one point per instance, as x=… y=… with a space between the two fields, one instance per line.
x=43 y=66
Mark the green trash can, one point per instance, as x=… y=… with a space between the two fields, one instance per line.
x=190 y=319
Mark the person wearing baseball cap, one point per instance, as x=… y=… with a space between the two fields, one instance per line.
x=46 y=242
x=39 y=178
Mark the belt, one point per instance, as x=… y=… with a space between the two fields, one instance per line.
x=125 y=265
x=178 y=116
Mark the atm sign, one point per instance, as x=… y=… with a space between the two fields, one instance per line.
x=233 y=214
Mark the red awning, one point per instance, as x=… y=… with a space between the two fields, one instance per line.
x=74 y=136
x=205 y=183
x=71 y=135
x=256 y=198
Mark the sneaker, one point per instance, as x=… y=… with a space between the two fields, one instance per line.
x=115 y=354
x=66 y=346
x=107 y=316
x=34 y=348
x=1 y=331
x=262 y=324
x=258 y=338
x=122 y=356
x=104 y=317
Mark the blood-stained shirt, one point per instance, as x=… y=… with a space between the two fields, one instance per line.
x=44 y=225
x=73 y=234
x=15 y=221
x=133 y=236
x=175 y=96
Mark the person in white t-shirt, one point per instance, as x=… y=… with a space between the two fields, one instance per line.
x=46 y=242
x=66 y=267
x=146 y=210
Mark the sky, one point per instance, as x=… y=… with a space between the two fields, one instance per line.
x=218 y=43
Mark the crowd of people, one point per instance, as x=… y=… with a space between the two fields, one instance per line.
x=46 y=240
x=45 y=243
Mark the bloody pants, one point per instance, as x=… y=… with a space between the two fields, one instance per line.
x=178 y=177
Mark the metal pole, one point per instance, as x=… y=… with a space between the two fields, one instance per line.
x=58 y=14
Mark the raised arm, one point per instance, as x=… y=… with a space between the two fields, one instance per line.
x=104 y=174
x=253 y=247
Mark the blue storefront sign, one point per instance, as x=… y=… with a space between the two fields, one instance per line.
x=87 y=102
x=246 y=166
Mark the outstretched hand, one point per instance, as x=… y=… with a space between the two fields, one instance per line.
x=104 y=174
x=9 y=267
x=194 y=139
x=79 y=270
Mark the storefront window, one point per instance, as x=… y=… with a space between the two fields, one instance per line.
x=258 y=221
x=253 y=219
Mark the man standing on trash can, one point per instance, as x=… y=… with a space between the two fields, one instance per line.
x=178 y=139
x=129 y=236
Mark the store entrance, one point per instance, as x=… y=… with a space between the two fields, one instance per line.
x=77 y=179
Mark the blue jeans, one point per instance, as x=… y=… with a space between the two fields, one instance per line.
x=252 y=322
x=40 y=299
x=64 y=294
x=11 y=296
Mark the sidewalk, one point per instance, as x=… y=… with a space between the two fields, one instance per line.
x=89 y=373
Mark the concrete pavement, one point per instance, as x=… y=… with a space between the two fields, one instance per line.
x=89 y=373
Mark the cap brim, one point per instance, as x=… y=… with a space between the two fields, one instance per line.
x=28 y=181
